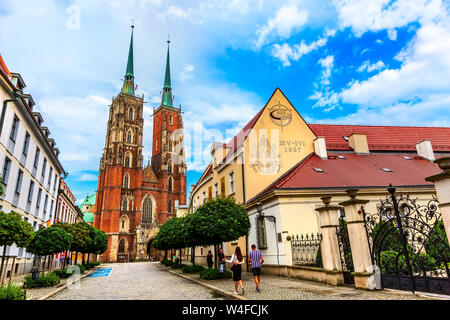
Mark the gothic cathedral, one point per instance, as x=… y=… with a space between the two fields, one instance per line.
x=132 y=201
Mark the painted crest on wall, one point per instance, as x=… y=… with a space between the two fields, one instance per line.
x=280 y=115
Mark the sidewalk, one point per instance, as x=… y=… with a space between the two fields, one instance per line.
x=282 y=288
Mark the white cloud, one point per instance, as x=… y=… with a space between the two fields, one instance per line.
x=87 y=177
x=366 y=66
x=392 y=34
x=287 y=19
x=376 y=15
x=187 y=72
x=287 y=53
x=327 y=64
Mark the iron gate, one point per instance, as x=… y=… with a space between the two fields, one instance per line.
x=408 y=242
x=306 y=249
x=345 y=252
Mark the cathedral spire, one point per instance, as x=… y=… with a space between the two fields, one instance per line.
x=128 y=82
x=167 y=90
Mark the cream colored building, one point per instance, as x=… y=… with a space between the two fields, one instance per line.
x=278 y=142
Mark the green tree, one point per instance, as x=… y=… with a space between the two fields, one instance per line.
x=219 y=220
x=69 y=229
x=80 y=241
x=437 y=243
x=49 y=241
x=13 y=229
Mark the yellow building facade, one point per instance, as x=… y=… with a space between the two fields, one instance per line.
x=277 y=143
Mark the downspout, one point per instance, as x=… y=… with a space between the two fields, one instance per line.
x=244 y=198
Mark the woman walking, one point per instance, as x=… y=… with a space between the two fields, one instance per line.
x=237 y=260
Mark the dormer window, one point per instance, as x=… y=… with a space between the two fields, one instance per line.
x=345 y=138
x=386 y=169
x=318 y=170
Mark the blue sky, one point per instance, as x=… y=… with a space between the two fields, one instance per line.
x=379 y=62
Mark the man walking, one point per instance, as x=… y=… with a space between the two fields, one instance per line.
x=256 y=259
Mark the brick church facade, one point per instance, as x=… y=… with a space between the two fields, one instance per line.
x=134 y=199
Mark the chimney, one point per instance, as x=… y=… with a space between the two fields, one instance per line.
x=358 y=142
x=425 y=150
x=320 y=147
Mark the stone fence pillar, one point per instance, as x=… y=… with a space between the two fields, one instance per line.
x=328 y=219
x=362 y=262
x=442 y=185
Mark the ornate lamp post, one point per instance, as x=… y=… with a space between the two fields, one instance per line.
x=261 y=215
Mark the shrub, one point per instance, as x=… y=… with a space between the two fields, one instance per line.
x=192 y=269
x=213 y=274
x=82 y=268
x=167 y=263
x=176 y=265
x=45 y=280
x=12 y=292
x=63 y=274
x=318 y=259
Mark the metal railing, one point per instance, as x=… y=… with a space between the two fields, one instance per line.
x=305 y=249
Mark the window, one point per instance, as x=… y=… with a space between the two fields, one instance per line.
x=30 y=191
x=216 y=190
x=126 y=181
x=19 y=181
x=36 y=158
x=44 y=167
x=129 y=137
x=6 y=169
x=222 y=186
x=50 y=177
x=26 y=143
x=147 y=211
x=51 y=207
x=210 y=192
x=169 y=209
x=54 y=183
x=231 y=175
x=45 y=203
x=14 y=129
x=169 y=167
x=127 y=161
x=38 y=201
x=204 y=196
x=261 y=232
x=130 y=114
x=124 y=204
x=122 y=245
x=170 y=119
x=170 y=187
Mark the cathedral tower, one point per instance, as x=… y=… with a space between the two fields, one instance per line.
x=132 y=202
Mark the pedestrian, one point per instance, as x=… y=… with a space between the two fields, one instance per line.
x=237 y=260
x=256 y=259
x=209 y=259
x=221 y=258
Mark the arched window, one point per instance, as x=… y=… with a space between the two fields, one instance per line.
x=126 y=181
x=129 y=140
x=169 y=209
x=124 y=204
x=147 y=210
x=169 y=166
x=170 y=187
x=122 y=243
x=130 y=114
x=128 y=160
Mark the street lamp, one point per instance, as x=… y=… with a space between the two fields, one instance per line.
x=259 y=209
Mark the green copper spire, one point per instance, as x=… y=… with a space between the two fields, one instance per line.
x=128 y=82
x=167 y=90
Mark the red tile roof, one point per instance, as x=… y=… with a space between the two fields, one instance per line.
x=4 y=68
x=384 y=138
x=356 y=171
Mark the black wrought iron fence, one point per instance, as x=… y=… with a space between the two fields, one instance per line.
x=306 y=249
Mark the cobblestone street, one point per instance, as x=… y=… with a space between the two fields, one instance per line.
x=151 y=281
x=136 y=281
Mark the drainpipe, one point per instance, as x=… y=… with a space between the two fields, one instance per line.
x=244 y=198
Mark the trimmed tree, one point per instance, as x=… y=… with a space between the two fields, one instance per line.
x=49 y=241
x=14 y=230
x=69 y=229
x=219 y=220
x=80 y=240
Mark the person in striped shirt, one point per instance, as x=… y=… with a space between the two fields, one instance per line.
x=256 y=259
